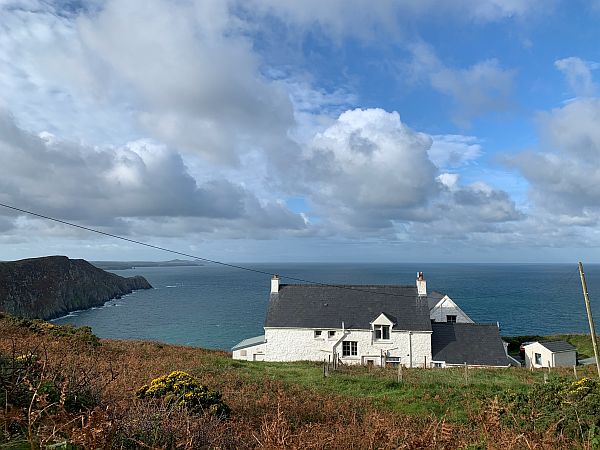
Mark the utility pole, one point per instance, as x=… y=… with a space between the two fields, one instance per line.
x=589 y=314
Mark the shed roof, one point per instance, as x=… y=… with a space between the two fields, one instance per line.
x=318 y=306
x=558 y=346
x=250 y=342
x=471 y=343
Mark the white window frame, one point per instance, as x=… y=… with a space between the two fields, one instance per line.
x=318 y=334
x=537 y=358
x=331 y=334
x=454 y=318
x=380 y=329
x=352 y=349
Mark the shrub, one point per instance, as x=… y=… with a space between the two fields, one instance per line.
x=573 y=407
x=184 y=391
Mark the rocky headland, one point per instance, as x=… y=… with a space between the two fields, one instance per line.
x=53 y=286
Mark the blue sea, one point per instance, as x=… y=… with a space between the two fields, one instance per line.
x=216 y=307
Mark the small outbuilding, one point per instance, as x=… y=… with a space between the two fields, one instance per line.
x=550 y=354
x=252 y=349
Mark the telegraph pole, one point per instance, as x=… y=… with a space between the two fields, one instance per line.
x=589 y=314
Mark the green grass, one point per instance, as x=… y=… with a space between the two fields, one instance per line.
x=423 y=392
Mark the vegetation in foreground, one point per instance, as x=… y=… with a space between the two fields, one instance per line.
x=60 y=386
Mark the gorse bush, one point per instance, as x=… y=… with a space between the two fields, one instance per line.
x=572 y=407
x=184 y=391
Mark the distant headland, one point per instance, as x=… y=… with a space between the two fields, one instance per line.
x=52 y=286
x=124 y=265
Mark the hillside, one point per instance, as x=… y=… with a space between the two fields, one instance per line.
x=53 y=286
x=87 y=392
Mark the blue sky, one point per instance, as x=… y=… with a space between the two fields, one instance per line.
x=303 y=131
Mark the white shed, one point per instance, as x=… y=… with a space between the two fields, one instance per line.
x=550 y=354
x=252 y=349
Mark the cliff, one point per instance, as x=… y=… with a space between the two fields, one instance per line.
x=53 y=286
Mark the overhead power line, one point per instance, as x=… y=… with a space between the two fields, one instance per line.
x=200 y=258
x=221 y=263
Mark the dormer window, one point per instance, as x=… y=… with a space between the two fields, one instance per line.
x=318 y=334
x=382 y=332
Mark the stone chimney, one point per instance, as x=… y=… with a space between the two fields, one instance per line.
x=421 y=285
x=275 y=284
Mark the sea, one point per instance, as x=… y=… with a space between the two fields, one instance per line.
x=215 y=307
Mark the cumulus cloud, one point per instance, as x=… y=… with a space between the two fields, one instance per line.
x=153 y=108
x=578 y=74
x=564 y=173
x=369 y=173
x=369 y=164
x=481 y=88
x=107 y=186
x=454 y=150
x=186 y=74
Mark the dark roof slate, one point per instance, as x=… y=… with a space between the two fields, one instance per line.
x=433 y=298
x=558 y=346
x=471 y=343
x=315 y=306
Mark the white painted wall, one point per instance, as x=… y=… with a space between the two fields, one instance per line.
x=548 y=359
x=445 y=307
x=254 y=353
x=300 y=344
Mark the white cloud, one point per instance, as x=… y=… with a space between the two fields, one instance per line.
x=370 y=174
x=186 y=75
x=115 y=187
x=578 y=74
x=364 y=18
x=454 y=150
x=479 y=89
x=565 y=172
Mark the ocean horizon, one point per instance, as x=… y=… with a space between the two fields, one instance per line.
x=215 y=307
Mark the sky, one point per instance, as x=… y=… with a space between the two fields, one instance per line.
x=329 y=131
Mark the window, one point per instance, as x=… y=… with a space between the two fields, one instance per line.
x=538 y=359
x=451 y=319
x=243 y=353
x=317 y=334
x=349 y=348
x=382 y=332
x=331 y=334
x=438 y=365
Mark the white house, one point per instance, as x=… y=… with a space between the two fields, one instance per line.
x=370 y=324
x=550 y=354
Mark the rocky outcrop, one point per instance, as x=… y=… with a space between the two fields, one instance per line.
x=52 y=286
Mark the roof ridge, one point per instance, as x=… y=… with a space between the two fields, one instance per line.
x=322 y=285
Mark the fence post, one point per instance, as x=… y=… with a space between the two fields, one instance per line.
x=466 y=373
x=575 y=371
x=399 y=373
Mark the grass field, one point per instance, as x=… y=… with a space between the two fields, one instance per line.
x=273 y=405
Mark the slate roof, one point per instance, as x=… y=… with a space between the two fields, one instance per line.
x=558 y=346
x=471 y=343
x=433 y=298
x=316 y=306
x=250 y=342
